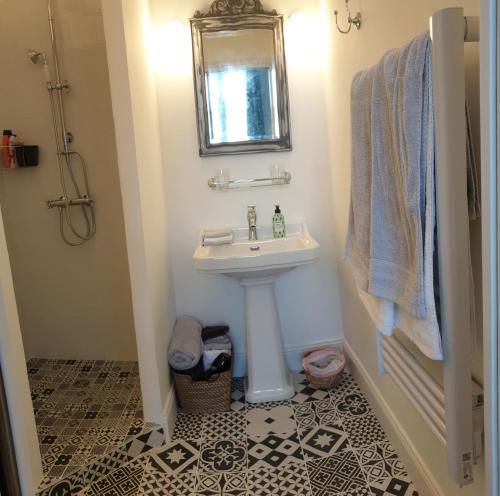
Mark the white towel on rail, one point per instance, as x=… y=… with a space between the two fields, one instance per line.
x=381 y=311
x=389 y=161
x=396 y=215
x=386 y=315
x=425 y=333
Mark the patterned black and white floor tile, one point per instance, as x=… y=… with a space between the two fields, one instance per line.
x=230 y=425
x=221 y=483
x=384 y=470
x=274 y=450
x=363 y=430
x=83 y=410
x=338 y=473
x=352 y=405
x=319 y=443
x=289 y=480
x=188 y=426
x=313 y=414
x=305 y=393
x=268 y=405
x=124 y=481
x=178 y=456
x=104 y=465
x=346 y=384
x=157 y=482
x=228 y=455
x=323 y=441
x=238 y=403
x=270 y=420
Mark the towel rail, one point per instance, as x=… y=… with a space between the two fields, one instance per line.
x=448 y=27
x=428 y=381
x=424 y=393
x=399 y=380
x=447 y=409
x=419 y=383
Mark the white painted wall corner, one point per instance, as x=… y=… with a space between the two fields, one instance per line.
x=169 y=414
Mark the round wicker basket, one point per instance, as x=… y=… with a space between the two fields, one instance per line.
x=330 y=380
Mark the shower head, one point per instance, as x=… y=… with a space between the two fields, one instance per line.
x=35 y=56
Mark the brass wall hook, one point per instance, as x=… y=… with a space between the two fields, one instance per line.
x=356 y=20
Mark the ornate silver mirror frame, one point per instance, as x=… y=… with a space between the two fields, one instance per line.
x=231 y=17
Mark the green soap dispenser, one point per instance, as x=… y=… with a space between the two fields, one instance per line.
x=279 y=230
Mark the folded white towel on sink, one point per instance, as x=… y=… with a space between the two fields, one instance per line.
x=222 y=240
x=217 y=233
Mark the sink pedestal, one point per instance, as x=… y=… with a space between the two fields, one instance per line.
x=268 y=376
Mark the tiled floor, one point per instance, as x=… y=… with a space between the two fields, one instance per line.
x=320 y=443
x=83 y=410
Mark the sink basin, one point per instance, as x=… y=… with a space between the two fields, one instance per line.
x=263 y=258
x=257 y=264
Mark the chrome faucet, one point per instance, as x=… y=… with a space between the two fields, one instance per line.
x=252 y=223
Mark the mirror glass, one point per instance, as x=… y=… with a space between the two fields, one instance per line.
x=240 y=81
x=241 y=88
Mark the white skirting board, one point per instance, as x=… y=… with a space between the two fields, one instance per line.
x=293 y=355
x=416 y=465
x=169 y=414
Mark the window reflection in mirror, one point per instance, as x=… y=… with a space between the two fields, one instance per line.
x=240 y=81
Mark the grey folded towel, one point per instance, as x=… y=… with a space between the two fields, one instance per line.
x=219 y=343
x=185 y=346
x=217 y=347
x=223 y=339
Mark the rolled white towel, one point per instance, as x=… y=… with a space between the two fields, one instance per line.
x=222 y=240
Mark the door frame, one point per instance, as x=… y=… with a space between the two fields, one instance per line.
x=490 y=110
x=9 y=475
x=15 y=378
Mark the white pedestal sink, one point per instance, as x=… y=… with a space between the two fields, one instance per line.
x=256 y=264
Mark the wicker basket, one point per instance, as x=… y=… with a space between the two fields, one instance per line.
x=204 y=396
x=325 y=382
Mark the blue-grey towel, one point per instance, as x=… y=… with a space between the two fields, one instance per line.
x=390 y=163
x=185 y=346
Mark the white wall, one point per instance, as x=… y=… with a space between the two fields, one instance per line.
x=73 y=302
x=307 y=297
x=386 y=24
x=15 y=378
x=135 y=114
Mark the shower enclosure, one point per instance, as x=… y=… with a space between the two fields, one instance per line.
x=74 y=305
x=73 y=194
